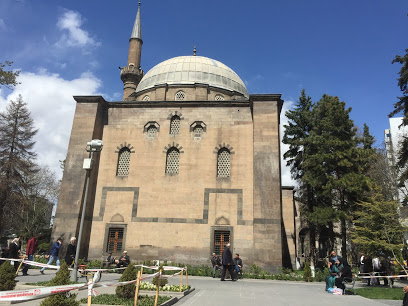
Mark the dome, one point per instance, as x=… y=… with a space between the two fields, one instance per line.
x=187 y=70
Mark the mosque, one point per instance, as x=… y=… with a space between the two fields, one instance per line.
x=190 y=161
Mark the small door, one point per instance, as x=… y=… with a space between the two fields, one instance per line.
x=221 y=238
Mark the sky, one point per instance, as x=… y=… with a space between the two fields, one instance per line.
x=74 y=47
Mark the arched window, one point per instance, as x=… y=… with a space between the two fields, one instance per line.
x=152 y=131
x=146 y=98
x=175 y=125
x=224 y=163
x=219 y=98
x=123 y=162
x=172 y=161
x=198 y=131
x=180 y=96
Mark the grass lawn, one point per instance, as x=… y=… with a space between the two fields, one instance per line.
x=382 y=293
x=112 y=299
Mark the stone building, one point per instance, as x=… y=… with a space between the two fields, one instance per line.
x=190 y=162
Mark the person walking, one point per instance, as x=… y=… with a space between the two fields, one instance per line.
x=14 y=251
x=227 y=263
x=32 y=246
x=71 y=251
x=54 y=254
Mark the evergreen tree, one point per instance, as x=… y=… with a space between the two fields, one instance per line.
x=7 y=277
x=335 y=169
x=377 y=227
x=8 y=78
x=368 y=139
x=127 y=291
x=402 y=106
x=61 y=299
x=16 y=160
x=296 y=134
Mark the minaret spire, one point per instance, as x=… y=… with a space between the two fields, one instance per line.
x=133 y=73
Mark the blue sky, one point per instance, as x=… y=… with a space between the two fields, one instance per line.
x=74 y=47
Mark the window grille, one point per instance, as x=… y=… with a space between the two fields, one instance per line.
x=115 y=240
x=175 y=125
x=221 y=238
x=180 y=96
x=151 y=131
x=198 y=131
x=224 y=163
x=123 y=162
x=219 y=98
x=146 y=98
x=172 y=162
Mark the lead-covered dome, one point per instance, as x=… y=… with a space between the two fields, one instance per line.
x=187 y=70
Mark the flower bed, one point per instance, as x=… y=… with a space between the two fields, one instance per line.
x=112 y=299
x=172 y=288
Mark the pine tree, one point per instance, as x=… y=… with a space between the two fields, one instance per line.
x=296 y=134
x=402 y=106
x=368 y=139
x=335 y=168
x=16 y=159
x=8 y=78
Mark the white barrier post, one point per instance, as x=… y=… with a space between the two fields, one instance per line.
x=90 y=292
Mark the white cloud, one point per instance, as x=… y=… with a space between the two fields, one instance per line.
x=285 y=170
x=49 y=98
x=70 y=22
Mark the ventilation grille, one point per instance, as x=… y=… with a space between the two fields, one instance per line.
x=123 y=162
x=172 y=164
x=224 y=164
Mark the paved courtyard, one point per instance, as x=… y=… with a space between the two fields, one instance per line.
x=210 y=291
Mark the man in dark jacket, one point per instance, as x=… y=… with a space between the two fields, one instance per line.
x=123 y=261
x=108 y=261
x=237 y=265
x=216 y=263
x=227 y=263
x=32 y=245
x=54 y=254
x=71 y=251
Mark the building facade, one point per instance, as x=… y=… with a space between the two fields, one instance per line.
x=190 y=162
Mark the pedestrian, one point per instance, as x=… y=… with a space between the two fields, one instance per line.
x=32 y=246
x=405 y=300
x=216 y=263
x=362 y=262
x=227 y=263
x=54 y=254
x=71 y=251
x=368 y=268
x=15 y=251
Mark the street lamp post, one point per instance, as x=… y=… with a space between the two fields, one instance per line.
x=93 y=146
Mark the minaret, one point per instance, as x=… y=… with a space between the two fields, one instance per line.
x=133 y=73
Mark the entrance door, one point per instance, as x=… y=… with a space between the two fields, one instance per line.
x=221 y=238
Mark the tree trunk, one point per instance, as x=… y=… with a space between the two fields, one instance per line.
x=343 y=238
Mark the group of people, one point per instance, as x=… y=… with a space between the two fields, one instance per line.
x=378 y=266
x=122 y=262
x=339 y=271
x=13 y=251
x=233 y=265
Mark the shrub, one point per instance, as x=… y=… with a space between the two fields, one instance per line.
x=254 y=269
x=307 y=276
x=61 y=299
x=127 y=291
x=7 y=276
x=320 y=275
x=163 y=281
